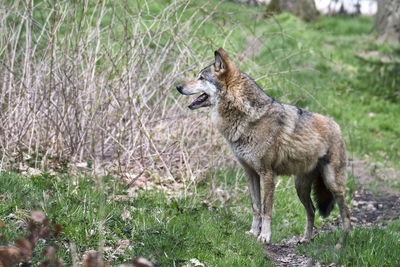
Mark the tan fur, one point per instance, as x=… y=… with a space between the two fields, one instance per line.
x=269 y=138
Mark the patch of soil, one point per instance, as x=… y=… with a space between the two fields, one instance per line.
x=285 y=254
x=368 y=209
x=377 y=176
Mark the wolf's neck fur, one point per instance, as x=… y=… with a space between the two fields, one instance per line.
x=242 y=100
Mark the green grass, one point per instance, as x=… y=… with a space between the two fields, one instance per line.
x=166 y=229
x=375 y=246
x=169 y=231
x=176 y=231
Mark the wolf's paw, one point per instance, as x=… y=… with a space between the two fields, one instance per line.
x=252 y=233
x=263 y=238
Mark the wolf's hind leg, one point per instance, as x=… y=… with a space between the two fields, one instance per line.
x=253 y=183
x=335 y=179
x=303 y=188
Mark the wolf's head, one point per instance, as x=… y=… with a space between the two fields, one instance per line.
x=210 y=81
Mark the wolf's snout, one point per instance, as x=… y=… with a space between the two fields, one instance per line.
x=179 y=87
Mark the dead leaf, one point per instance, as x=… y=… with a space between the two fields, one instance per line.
x=120 y=198
x=50 y=252
x=123 y=243
x=196 y=262
x=38 y=216
x=57 y=229
x=91 y=259
x=126 y=215
x=25 y=247
x=9 y=255
x=142 y=262
x=377 y=134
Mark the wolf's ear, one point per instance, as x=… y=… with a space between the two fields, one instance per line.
x=221 y=60
x=219 y=65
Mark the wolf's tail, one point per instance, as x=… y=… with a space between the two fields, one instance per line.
x=323 y=197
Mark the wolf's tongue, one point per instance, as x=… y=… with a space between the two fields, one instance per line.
x=198 y=101
x=201 y=98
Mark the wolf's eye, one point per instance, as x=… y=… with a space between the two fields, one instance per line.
x=201 y=78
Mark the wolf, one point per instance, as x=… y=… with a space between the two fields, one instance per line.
x=270 y=138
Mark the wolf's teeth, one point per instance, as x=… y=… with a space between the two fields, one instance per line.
x=201 y=98
x=200 y=101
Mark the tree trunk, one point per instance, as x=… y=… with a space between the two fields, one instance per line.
x=387 y=21
x=304 y=9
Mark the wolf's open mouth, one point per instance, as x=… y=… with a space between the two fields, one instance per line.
x=201 y=101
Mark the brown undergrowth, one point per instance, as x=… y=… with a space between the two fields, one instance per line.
x=100 y=90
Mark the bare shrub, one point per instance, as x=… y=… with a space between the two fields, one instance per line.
x=94 y=81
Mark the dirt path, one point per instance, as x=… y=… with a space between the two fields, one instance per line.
x=368 y=209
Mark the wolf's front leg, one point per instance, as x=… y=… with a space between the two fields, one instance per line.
x=268 y=181
x=253 y=183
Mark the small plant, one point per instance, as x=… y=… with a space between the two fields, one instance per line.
x=92 y=259
x=39 y=227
